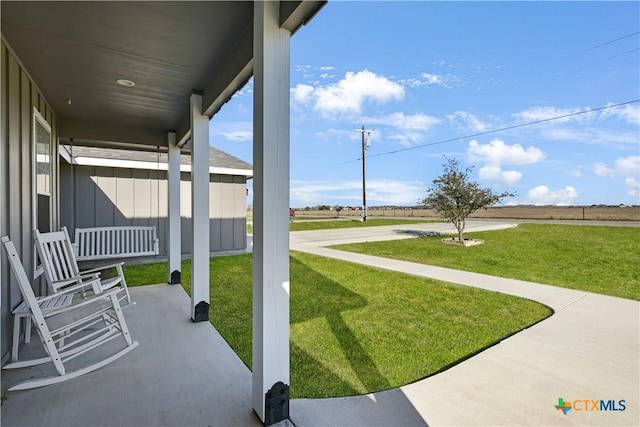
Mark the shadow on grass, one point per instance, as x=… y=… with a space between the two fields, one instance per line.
x=324 y=298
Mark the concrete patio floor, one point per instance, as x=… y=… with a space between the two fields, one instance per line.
x=181 y=374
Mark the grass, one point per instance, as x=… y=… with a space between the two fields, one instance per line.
x=349 y=223
x=603 y=260
x=356 y=329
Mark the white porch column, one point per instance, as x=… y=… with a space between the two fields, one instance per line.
x=173 y=180
x=271 y=214
x=199 y=211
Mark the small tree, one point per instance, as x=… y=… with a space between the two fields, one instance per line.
x=454 y=197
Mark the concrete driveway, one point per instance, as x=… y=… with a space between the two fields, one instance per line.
x=386 y=232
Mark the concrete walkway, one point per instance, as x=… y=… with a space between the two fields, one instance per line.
x=588 y=350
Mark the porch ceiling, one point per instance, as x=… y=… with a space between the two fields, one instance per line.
x=77 y=51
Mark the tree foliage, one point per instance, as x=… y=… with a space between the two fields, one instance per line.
x=454 y=197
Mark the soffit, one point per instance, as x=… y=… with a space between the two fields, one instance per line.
x=76 y=51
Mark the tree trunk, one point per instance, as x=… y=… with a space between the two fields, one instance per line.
x=460 y=227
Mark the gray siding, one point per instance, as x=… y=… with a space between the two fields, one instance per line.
x=115 y=196
x=19 y=96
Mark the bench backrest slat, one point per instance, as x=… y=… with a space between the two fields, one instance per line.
x=115 y=242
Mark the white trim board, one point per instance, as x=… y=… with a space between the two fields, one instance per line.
x=136 y=164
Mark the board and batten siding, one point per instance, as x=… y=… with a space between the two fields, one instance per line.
x=107 y=196
x=19 y=97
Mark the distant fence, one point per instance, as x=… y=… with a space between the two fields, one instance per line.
x=602 y=213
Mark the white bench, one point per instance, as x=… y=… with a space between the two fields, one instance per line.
x=115 y=242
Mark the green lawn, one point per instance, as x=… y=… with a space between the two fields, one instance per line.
x=603 y=260
x=355 y=329
x=350 y=223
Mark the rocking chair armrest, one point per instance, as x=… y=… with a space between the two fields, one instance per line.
x=72 y=289
x=65 y=282
x=81 y=303
x=100 y=268
x=80 y=278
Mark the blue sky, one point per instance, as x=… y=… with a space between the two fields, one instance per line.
x=419 y=73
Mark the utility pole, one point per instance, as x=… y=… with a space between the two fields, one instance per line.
x=365 y=144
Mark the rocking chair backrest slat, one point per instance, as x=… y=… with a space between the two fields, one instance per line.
x=57 y=257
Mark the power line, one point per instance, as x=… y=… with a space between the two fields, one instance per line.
x=603 y=44
x=615 y=56
x=535 y=122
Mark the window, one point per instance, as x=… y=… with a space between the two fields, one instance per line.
x=42 y=146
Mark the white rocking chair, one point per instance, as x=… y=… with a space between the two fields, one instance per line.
x=60 y=266
x=70 y=331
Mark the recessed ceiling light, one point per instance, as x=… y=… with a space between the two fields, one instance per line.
x=125 y=83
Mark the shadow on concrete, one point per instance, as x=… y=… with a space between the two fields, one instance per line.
x=418 y=233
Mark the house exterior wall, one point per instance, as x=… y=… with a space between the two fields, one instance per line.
x=19 y=96
x=105 y=196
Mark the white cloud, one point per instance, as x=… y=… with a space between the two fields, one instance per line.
x=633 y=186
x=601 y=169
x=467 y=120
x=379 y=192
x=349 y=94
x=498 y=153
x=416 y=121
x=534 y=114
x=301 y=93
x=590 y=135
x=628 y=166
x=407 y=139
x=312 y=72
x=628 y=113
x=234 y=131
x=408 y=129
x=428 y=79
x=496 y=174
x=542 y=195
x=625 y=166
x=432 y=79
x=238 y=135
